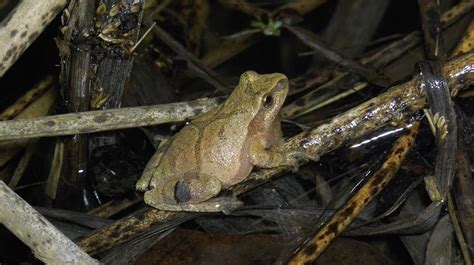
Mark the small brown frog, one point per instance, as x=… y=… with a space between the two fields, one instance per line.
x=219 y=149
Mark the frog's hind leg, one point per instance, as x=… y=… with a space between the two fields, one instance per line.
x=218 y=204
x=191 y=193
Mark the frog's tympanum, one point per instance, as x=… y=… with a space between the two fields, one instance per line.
x=219 y=149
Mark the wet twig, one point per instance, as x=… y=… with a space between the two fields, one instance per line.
x=115 y=206
x=435 y=85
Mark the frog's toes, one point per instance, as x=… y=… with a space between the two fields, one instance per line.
x=308 y=156
x=292 y=162
x=225 y=205
x=142 y=185
x=305 y=155
x=227 y=211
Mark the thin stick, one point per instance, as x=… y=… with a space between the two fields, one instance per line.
x=103 y=120
x=458 y=231
x=27 y=98
x=47 y=242
x=24 y=161
x=22 y=26
x=467 y=41
x=143 y=37
x=194 y=63
x=115 y=206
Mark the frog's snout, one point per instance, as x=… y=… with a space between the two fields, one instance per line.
x=282 y=84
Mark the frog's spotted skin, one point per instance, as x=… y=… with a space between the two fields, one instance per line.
x=219 y=148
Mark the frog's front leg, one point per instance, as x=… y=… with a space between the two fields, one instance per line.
x=144 y=182
x=276 y=156
x=262 y=157
x=193 y=194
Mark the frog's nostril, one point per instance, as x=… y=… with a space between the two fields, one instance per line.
x=282 y=84
x=181 y=192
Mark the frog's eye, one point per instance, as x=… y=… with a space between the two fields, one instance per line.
x=267 y=100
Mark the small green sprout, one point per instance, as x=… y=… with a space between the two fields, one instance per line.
x=271 y=29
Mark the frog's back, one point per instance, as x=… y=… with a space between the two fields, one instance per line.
x=214 y=144
x=179 y=157
x=227 y=157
